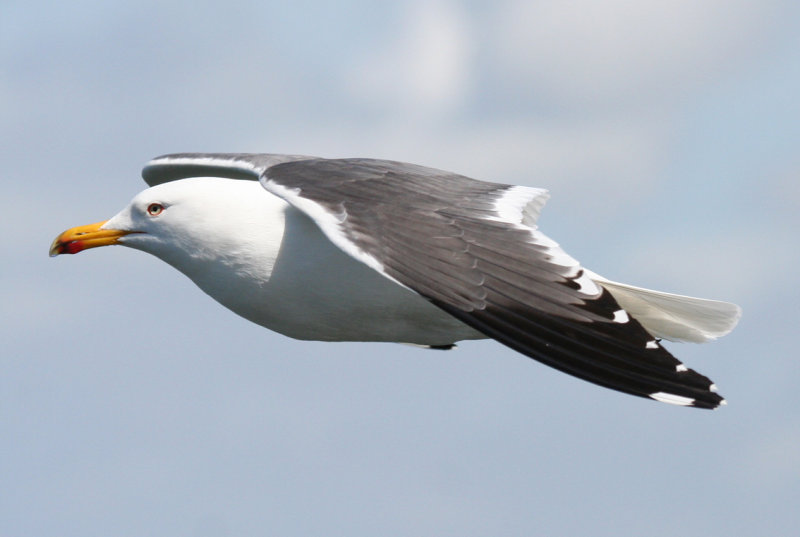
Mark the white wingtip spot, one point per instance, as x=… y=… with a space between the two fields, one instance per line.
x=680 y=368
x=587 y=285
x=713 y=388
x=672 y=399
x=652 y=344
x=520 y=205
x=621 y=316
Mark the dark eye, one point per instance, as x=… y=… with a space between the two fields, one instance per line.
x=155 y=209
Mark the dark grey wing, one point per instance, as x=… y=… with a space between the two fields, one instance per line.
x=231 y=165
x=469 y=248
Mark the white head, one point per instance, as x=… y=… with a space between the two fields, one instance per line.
x=199 y=225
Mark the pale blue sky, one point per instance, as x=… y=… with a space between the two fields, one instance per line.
x=132 y=404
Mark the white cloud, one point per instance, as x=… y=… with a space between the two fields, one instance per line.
x=426 y=67
x=739 y=266
x=586 y=52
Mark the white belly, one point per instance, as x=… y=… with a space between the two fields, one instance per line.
x=317 y=292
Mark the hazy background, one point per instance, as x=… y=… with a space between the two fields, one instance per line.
x=131 y=404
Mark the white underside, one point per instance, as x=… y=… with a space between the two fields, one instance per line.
x=317 y=292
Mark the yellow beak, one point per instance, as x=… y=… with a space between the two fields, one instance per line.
x=82 y=238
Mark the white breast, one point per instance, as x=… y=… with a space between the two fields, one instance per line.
x=279 y=271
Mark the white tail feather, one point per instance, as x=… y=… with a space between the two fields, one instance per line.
x=674 y=317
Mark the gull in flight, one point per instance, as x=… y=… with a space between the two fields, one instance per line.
x=374 y=250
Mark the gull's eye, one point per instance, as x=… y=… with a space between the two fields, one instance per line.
x=155 y=209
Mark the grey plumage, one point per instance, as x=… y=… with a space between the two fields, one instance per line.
x=443 y=236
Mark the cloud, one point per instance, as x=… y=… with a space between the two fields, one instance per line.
x=739 y=266
x=589 y=53
x=426 y=65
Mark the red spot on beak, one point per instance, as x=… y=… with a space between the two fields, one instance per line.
x=72 y=247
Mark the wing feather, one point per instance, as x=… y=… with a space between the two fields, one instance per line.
x=446 y=237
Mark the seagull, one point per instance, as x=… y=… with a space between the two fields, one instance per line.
x=359 y=249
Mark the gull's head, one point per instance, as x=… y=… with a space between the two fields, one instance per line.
x=186 y=219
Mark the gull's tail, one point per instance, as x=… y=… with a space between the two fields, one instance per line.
x=674 y=317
